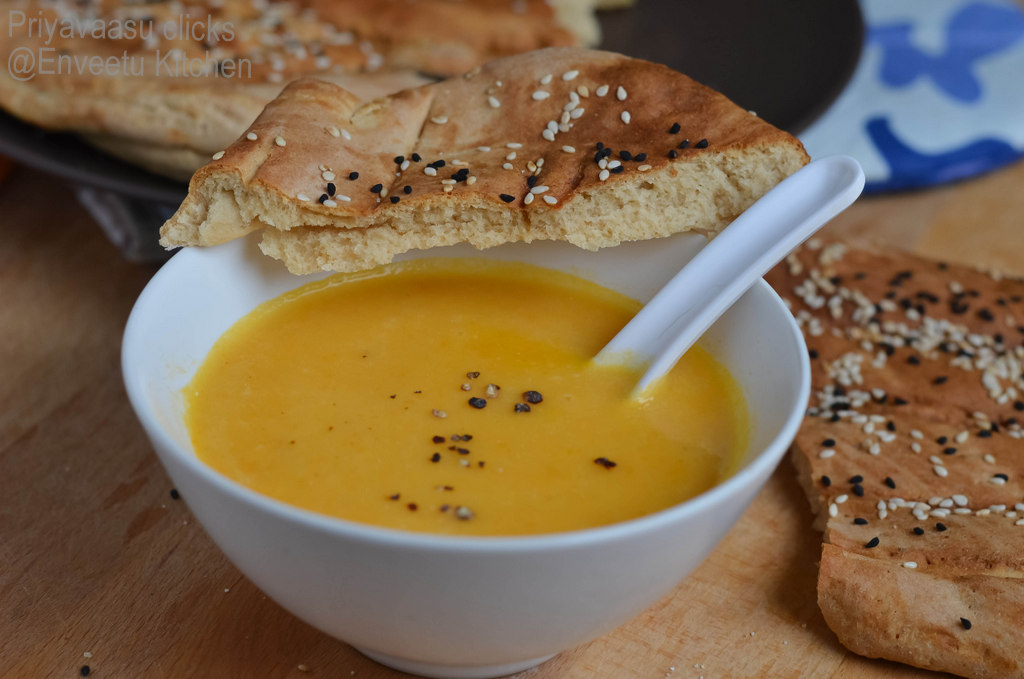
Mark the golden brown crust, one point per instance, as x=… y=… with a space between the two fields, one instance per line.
x=585 y=146
x=912 y=454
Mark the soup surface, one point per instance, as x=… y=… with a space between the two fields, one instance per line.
x=456 y=396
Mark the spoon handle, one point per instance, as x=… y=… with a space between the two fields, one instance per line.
x=760 y=237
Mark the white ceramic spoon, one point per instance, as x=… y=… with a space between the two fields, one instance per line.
x=730 y=263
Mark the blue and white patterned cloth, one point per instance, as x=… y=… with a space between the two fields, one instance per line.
x=938 y=94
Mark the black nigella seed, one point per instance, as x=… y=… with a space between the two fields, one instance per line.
x=985 y=433
x=941 y=379
x=605 y=152
x=871 y=544
x=673 y=154
x=949 y=451
x=856 y=479
x=605 y=462
x=1018 y=405
x=478 y=402
x=521 y=408
x=965 y=623
x=399 y=160
x=858 y=490
x=889 y=482
x=407 y=189
x=532 y=396
x=826 y=481
x=437 y=164
x=940 y=526
x=941 y=440
x=507 y=198
x=675 y=128
x=376 y=188
x=860 y=521
x=812 y=353
x=331 y=189
x=702 y=144
x=175 y=495
x=353 y=176
x=625 y=156
x=684 y=144
x=531 y=181
x=85 y=669
x=395 y=199
x=322 y=198
x=918 y=530
x=1002 y=476
x=436 y=457
x=618 y=170
x=640 y=157
x=828 y=443
x=600 y=145
x=416 y=158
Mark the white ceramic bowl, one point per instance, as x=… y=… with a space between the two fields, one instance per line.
x=452 y=606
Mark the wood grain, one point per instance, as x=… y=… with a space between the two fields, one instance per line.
x=96 y=557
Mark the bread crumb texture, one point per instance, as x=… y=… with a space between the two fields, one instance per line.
x=558 y=144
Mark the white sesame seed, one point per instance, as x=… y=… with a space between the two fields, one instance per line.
x=470 y=180
x=303 y=197
x=328 y=176
x=997 y=480
x=940 y=470
x=842 y=498
x=915 y=433
x=620 y=93
x=342 y=197
x=576 y=113
x=910 y=564
x=251 y=136
x=960 y=500
x=333 y=131
x=625 y=117
x=539 y=189
x=506 y=166
x=345 y=134
x=603 y=163
x=449 y=188
x=439 y=120
x=1019 y=522
x=548 y=134
x=552 y=125
x=540 y=95
x=935 y=459
x=644 y=168
x=430 y=171
x=827 y=453
x=601 y=91
x=280 y=141
x=384 y=192
x=833 y=510
x=569 y=149
x=550 y=200
x=528 y=199
x=612 y=164
x=916 y=447
x=546 y=79
x=961 y=437
x=989 y=457
x=511 y=156
x=218 y=155
x=604 y=174
x=493 y=102
x=330 y=203
x=404 y=166
x=570 y=75
x=448 y=182
x=583 y=91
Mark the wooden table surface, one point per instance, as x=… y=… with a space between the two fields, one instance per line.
x=99 y=566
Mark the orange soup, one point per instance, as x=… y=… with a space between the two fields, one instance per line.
x=457 y=396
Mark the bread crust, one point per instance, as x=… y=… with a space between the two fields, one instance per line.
x=509 y=152
x=912 y=454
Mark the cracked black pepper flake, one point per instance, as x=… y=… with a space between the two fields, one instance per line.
x=507 y=198
x=462 y=451
x=436 y=457
x=871 y=544
x=438 y=439
x=605 y=462
x=965 y=623
x=478 y=402
x=473 y=375
x=175 y=494
x=860 y=521
x=395 y=496
x=462 y=437
x=521 y=408
x=412 y=506
x=532 y=396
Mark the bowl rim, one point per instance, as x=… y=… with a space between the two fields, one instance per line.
x=760 y=467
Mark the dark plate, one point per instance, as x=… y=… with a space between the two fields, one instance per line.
x=785 y=60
